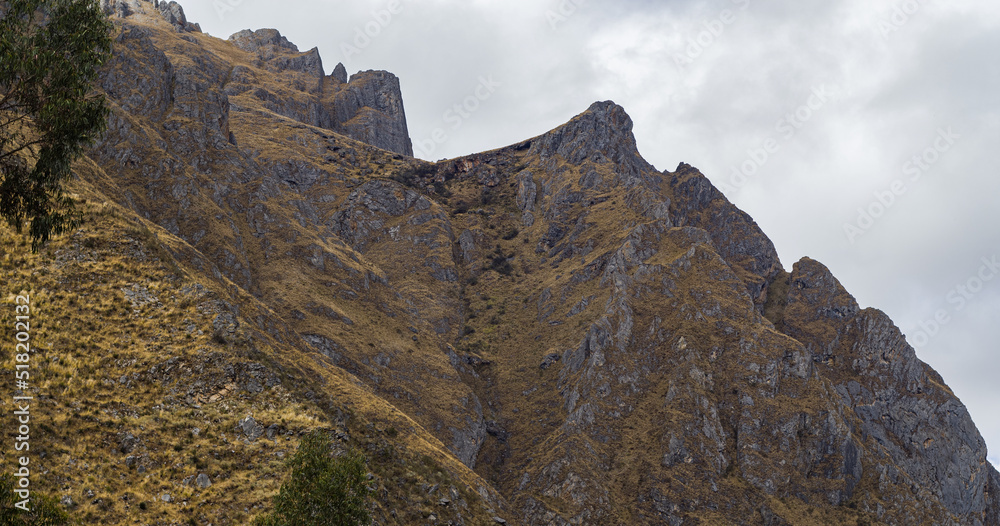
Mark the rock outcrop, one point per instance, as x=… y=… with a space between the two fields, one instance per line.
x=367 y=107
x=340 y=73
x=600 y=135
x=696 y=202
x=173 y=13
x=276 y=53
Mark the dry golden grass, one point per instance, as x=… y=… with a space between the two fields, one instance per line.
x=95 y=351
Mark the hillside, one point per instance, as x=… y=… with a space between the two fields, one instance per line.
x=552 y=332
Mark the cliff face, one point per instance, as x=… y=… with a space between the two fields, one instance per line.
x=368 y=107
x=273 y=75
x=586 y=339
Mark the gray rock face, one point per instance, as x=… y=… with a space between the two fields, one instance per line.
x=468 y=440
x=929 y=434
x=173 y=13
x=362 y=220
x=139 y=77
x=340 y=73
x=278 y=54
x=128 y=443
x=250 y=429
x=367 y=107
x=602 y=133
x=203 y=481
x=262 y=41
x=993 y=499
x=696 y=202
x=817 y=307
x=527 y=194
x=923 y=435
x=121 y=8
x=370 y=109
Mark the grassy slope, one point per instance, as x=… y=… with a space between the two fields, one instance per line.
x=105 y=368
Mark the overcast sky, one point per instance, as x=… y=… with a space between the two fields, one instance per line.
x=803 y=112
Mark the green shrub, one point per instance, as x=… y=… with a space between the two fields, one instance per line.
x=322 y=490
x=44 y=510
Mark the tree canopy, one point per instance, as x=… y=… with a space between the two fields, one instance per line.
x=322 y=490
x=50 y=54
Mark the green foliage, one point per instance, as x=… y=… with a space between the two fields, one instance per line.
x=322 y=490
x=50 y=53
x=44 y=510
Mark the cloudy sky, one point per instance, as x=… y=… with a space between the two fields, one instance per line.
x=862 y=133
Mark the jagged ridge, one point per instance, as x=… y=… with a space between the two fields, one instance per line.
x=603 y=343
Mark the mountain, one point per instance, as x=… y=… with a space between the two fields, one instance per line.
x=552 y=332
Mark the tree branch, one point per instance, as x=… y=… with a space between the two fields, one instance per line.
x=22 y=147
x=15 y=120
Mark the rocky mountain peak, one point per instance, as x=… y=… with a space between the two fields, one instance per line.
x=340 y=73
x=600 y=134
x=818 y=306
x=275 y=52
x=171 y=12
x=254 y=41
x=369 y=107
x=694 y=201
